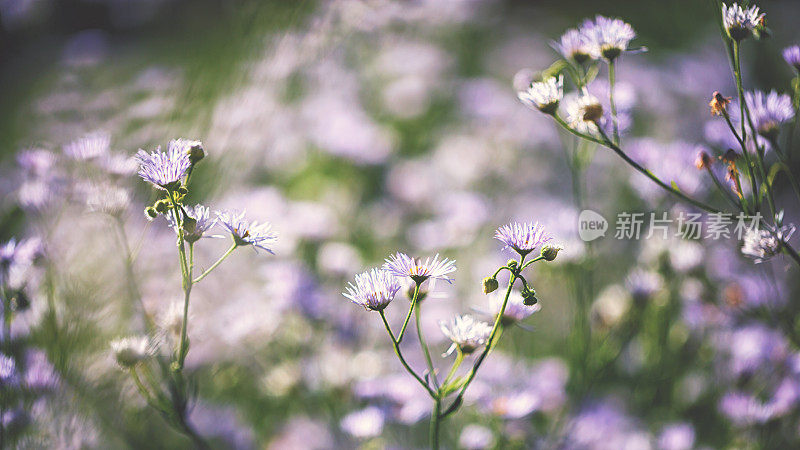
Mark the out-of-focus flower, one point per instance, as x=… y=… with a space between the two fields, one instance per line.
x=245 y=232
x=573 y=45
x=402 y=265
x=607 y=38
x=373 y=290
x=365 y=423
x=516 y=309
x=164 y=170
x=476 y=437
x=523 y=237
x=88 y=147
x=791 y=55
x=8 y=369
x=611 y=305
x=130 y=351
x=761 y=245
x=106 y=198
x=643 y=283
x=769 y=111
x=196 y=224
x=739 y=22
x=676 y=436
x=36 y=161
x=544 y=95
x=466 y=332
x=584 y=112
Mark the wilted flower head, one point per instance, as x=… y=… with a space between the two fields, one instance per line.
x=523 y=237
x=769 y=111
x=373 y=290
x=573 y=45
x=719 y=104
x=402 y=265
x=130 y=351
x=761 y=245
x=164 y=170
x=544 y=95
x=584 y=113
x=792 y=56
x=246 y=233
x=606 y=37
x=88 y=147
x=740 y=23
x=516 y=309
x=196 y=224
x=466 y=332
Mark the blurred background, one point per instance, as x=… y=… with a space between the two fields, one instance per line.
x=359 y=128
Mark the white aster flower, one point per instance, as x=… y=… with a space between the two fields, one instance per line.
x=544 y=95
x=466 y=332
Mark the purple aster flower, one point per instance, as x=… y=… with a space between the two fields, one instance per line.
x=769 y=111
x=792 y=56
x=373 y=290
x=245 y=232
x=606 y=37
x=164 y=170
x=573 y=45
x=199 y=222
x=402 y=265
x=740 y=23
x=88 y=147
x=523 y=237
x=466 y=332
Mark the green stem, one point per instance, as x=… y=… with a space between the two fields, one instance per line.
x=133 y=288
x=217 y=263
x=434 y=427
x=414 y=299
x=425 y=350
x=490 y=343
x=456 y=365
x=611 y=83
x=399 y=354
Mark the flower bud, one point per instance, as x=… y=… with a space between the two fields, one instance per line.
x=162 y=206
x=550 y=251
x=196 y=153
x=529 y=296
x=182 y=190
x=150 y=213
x=490 y=284
x=512 y=263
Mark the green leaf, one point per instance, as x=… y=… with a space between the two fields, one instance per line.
x=554 y=69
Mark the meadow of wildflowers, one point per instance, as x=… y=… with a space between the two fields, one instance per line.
x=476 y=224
